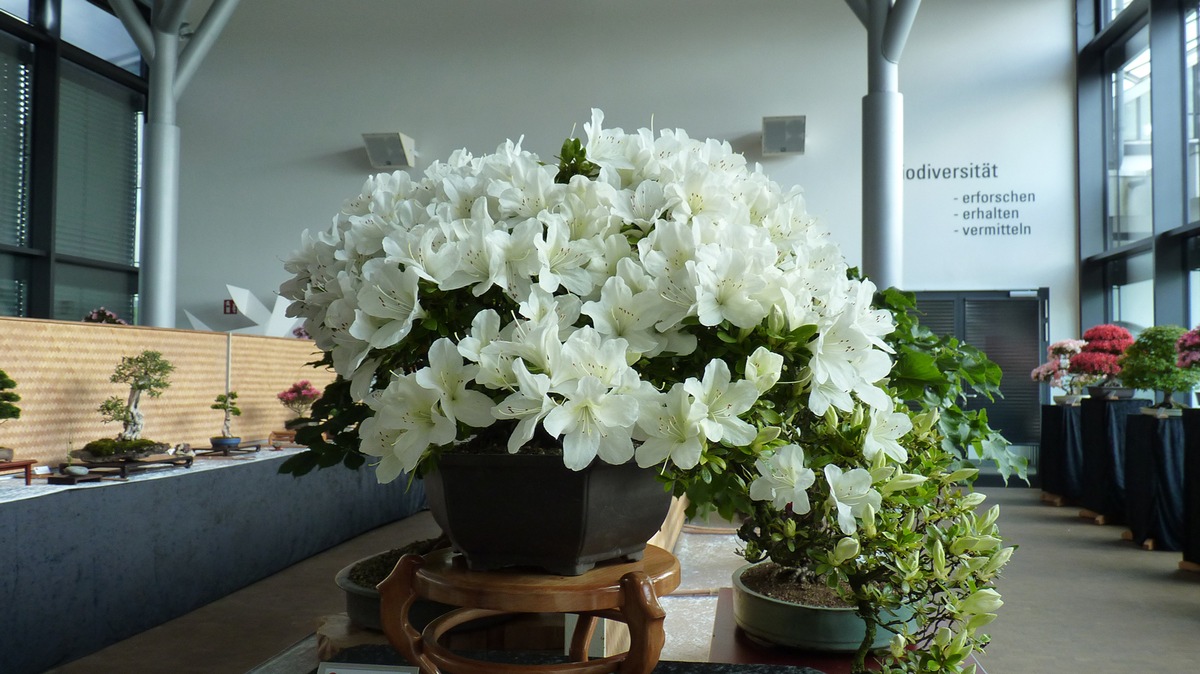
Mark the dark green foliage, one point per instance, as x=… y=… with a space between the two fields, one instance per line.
x=1150 y=362
x=936 y=372
x=8 y=397
x=113 y=446
x=574 y=162
x=331 y=435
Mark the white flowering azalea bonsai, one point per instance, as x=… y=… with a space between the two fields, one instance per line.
x=650 y=299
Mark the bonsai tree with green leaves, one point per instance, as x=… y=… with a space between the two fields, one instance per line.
x=227 y=402
x=1150 y=363
x=8 y=398
x=8 y=407
x=147 y=373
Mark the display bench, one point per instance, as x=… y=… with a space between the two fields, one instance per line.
x=85 y=566
x=1154 y=481
x=1060 y=455
x=1102 y=429
x=1191 y=491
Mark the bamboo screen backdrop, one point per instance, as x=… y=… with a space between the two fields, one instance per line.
x=62 y=371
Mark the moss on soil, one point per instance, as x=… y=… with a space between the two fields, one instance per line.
x=786 y=584
x=372 y=570
x=112 y=446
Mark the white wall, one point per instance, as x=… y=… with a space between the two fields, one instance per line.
x=271 y=123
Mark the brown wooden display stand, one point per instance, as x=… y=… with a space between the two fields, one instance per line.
x=25 y=464
x=626 y=592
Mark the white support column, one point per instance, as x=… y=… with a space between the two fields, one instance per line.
x=887 y=27
x=159 y=42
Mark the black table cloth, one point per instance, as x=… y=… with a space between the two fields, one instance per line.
x=1190 y=545
x=1154 y=480
x=1060 y=454
x=1102 y=429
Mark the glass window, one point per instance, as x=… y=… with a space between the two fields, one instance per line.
x=1114 y=8
x=1193 y=281
x=78 y=290
x=96 y=31
x=15 y=141
x=17 y=8
x=14 y=285
x=1191 y=89
x=1131 y=291
x=1129 y=207
x=96 y=206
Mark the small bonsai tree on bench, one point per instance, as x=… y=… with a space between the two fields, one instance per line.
x=146 y=373
x=8 y=407
x=227 y=402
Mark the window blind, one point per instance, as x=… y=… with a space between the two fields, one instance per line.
x=15 y=140
x=97 y=171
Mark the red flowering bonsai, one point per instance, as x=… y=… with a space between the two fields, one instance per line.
x=1103 y=348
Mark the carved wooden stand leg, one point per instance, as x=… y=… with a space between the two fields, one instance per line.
x=645 y=617
x=397 y=589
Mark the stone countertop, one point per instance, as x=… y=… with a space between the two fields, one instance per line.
x=13 y=487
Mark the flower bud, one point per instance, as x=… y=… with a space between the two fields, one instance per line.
x=939 y=560
x=897 y=646
x=868 y=519
x=846 y=549
x=903 y=481
x=856 y=418
x=982 y=601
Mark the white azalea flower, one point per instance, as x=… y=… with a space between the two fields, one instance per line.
x=764 y=369
x=528 y=405
x=485 y=327
x=619 y=314
x=783 y=479
x=724 y=402
x=562 y=261
x=387 y=304
x=592 y=422
x=853 y=496
x=406 y=424
x=448 y=376
x=672 y=423
x=586 y=353
x=886 y=428
x=725 y=292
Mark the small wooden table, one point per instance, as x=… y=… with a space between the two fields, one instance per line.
x=627 y=592
x=26 y=464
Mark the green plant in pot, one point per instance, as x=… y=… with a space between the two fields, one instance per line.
x=1151 y=363
x=227 y=403
x=649 y=302
x=147 y=373
x=8 y=407
x=872 y=537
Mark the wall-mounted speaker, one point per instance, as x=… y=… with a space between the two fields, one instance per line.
x=389 y=150
x=783 y=135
